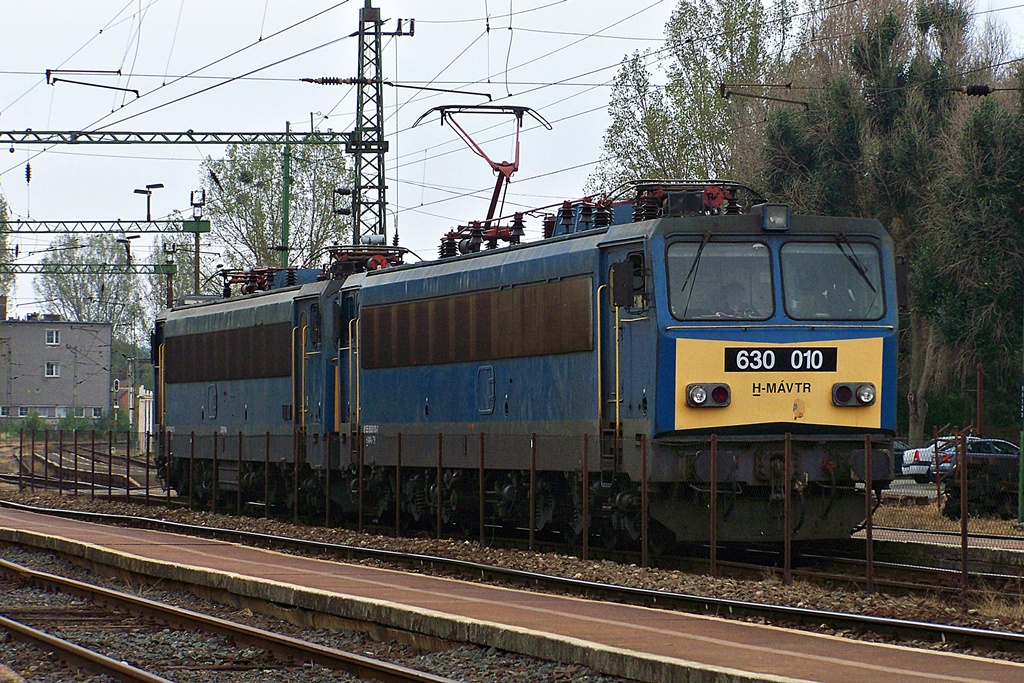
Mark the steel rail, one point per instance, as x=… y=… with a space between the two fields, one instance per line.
x=80 y=656
x=292 y=648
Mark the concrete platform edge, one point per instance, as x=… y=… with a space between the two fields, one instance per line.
x=613 y=661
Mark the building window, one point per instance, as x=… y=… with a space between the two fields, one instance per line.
x=52 y=369
x=52 y=337
x=22 y=411
x=43 y=411
x=5 y=411
x=97 y=412
x=79 y=412
x=61 y=412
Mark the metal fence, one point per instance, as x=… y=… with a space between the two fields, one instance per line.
x=960 y=522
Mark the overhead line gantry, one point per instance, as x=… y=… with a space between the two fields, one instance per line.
x=118 y=226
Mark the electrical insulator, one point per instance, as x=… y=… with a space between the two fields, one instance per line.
x=28 y=173
x=978 y=89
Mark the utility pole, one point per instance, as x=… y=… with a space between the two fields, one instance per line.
x=286 y=190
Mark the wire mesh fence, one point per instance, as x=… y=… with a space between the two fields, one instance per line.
x=842 y=507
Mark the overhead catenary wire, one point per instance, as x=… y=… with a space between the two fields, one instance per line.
x=538 y=88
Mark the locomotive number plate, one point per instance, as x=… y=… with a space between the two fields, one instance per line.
x=780 y=359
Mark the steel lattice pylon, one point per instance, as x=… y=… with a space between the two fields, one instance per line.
x=367 y=141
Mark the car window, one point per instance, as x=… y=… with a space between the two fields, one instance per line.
x=1004 y=448
x=980 y=447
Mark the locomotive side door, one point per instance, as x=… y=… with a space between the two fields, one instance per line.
x=346 y=387
x=626 y=363
x=310 y=378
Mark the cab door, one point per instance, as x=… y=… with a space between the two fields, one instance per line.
x=346 y=388
x=626 y=351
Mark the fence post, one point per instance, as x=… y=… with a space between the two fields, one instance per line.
x=961 y=456
x=32 y=463
x=644 y=539
x=76 y=461
x=147 y=469
x=266 y=479
x=168 y=452
x=46 y=459
x=295 y=467
x=327 y=482
x=713 y=522
x=110 y=464
x=191 y=466
x=437 y=483
x=238 y=493
x=92 y=467
x=359 y=475
x=21 y=460
x=60 y=460
x=480 y=491
x=787 y=515
x=127 y=467
x=935 y=461
x=533 y=486
x=585 y=549
x=215 y=477
x=398 y=488
x=868 y=512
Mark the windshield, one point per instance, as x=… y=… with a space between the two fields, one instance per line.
x=720 y=280
x=836 y=280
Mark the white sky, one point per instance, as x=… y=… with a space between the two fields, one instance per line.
x=575 y=44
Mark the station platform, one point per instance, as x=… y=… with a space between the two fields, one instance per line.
x=632 y=642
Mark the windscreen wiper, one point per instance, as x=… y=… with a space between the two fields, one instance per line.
x=693 y=270
x=854 y=260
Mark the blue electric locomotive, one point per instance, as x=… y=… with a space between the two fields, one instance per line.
x=449 y=389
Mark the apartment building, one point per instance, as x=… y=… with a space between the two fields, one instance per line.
x=54 y=368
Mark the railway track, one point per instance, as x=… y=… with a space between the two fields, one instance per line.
x=897 y=629
x=288 y=650
x=77 y=655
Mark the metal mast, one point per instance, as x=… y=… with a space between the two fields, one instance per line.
x=366 y=142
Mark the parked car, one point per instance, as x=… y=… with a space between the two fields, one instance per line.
x=917 y=462
x=993 y=466
x=898 y=449
x=988 y=449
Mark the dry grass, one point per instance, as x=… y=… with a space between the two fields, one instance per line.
x=928 y=518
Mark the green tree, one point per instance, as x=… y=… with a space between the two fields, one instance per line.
x=686 y=128
x=244 y=191
x=972 y=267
x=6 y=279
x=116 y=299
x=874 y=142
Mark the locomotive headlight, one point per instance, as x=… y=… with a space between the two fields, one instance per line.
x=774 y=217
x=853 y=394
x=712 y=395
x=866 y=393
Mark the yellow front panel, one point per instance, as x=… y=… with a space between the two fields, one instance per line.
x=763 y=396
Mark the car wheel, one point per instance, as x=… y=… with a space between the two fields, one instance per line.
x=923 y=478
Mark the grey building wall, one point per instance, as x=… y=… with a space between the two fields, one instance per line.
x=53 y=366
